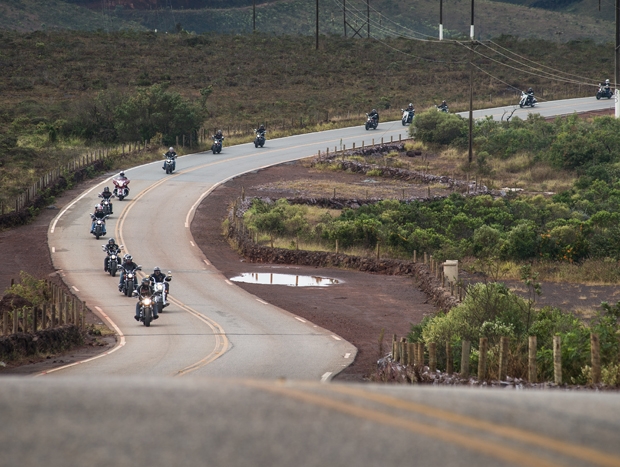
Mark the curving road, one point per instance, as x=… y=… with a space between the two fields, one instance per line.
x=118 y=410
x=212 y=327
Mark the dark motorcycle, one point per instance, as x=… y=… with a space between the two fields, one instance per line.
x=169 y=164
x=107 y=204
x=111 y=261
x=146 y=310
x=527 y=99
x=604 y=92
x=259 y=141
x=407 y=116
x=371 y=122
x=98 y=229
x=128 y=285
x=442 y=108
x=216 y=147
x=160 y=295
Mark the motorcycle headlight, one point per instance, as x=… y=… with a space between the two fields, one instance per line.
x=146 y=301
x=113 y=257
x=130 y=276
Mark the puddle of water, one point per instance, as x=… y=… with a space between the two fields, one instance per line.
x=284 y=279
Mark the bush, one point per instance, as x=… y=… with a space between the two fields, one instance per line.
x=438 y=127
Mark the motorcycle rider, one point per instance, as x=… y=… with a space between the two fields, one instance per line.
x=443 y=107
x=145 y=290
x=374 y=115
x=261 y=130
x=98 y=214
x=111 y=249
x=121 y=177
x=410 y=107
x=530 y=95
x=107 y=195
x=606 y=87
x=159 y=276
x=128 y=265
x=173 y=155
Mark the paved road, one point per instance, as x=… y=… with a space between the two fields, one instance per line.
x=59 y=422
x=122 y=410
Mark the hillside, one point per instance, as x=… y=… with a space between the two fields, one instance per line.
x=575 y=20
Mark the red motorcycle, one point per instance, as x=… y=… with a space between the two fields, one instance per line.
x=121 y=186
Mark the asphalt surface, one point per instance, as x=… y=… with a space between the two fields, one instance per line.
x=123 y=409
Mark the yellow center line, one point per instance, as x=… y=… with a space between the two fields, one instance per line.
x=580 y=452
x=493 y=449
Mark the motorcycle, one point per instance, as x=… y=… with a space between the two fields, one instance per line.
x=107 y=205
x=371 y=122
x=527 y=99
x=121 y=188
x=111 y=260
x=259 y=141
x=604 y=92
x=146 y=310
x=216 y=147
x=160 y=294
x=98 y=228
x=129 y=283
x=442 y=109
x=407 y=116
x=169 y=164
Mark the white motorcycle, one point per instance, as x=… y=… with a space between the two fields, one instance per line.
x=160 y=295
x=527 y=99
x=407 y=116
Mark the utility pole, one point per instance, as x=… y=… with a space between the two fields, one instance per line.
x=344 y=16
x=317 y=24
x=617 y=55
x=471 y=29
x=368 y=17
x=440 y=20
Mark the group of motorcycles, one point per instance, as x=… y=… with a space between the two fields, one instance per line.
x=153 y=302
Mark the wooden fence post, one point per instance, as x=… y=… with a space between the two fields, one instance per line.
x=34 y=319
x=44 y=317
x=482 y=358
x=448 y=358
x=420 y=348
x=410 y=353
x=557 y=359
x=465 y=350
x=15 y=321
x=403 y=350
x=503 y=358
x=595 y=356
x=432 y=356
x=396 y=354
x=532 y=371
x=83 y=315
x=53 y=317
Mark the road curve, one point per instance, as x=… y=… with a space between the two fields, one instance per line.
x=212 y=327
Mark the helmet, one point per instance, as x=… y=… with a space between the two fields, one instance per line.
x=171 y=149
x=444 y=102
x=606 y=81
x=219 y=132
x=410 y=104
x=128 y=258
x=530 y=90
x=106 y=189
x=111 y=241
x=374 y=111
x=156 y=269
x=261 y=127
x=145 y=280
x=99 y=207
x=122 y=174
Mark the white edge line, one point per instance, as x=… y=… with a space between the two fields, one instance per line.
x=347 y=355
x=75 y=288
x=336 y=337
x=120 y=344
x=228 y=282
x=53 y=249
x=262 y=301
x=192 y=243
x=300 y=319
x=325 y=377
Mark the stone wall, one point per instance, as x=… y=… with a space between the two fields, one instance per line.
x=43 y=342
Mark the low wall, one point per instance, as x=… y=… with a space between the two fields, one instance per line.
x=42 y=342
x=421 y=273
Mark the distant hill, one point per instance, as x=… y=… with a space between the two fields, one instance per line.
x=555 y=20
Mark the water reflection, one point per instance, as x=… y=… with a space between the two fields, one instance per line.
x=284 y=279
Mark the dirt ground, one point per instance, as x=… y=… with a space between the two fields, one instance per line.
x=361 y=308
